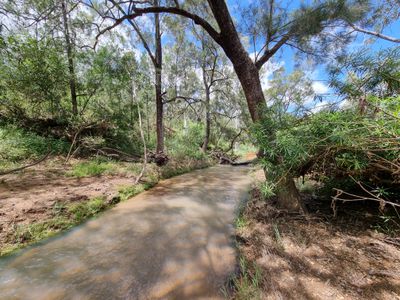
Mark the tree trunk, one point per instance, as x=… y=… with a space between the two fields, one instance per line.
x=208 y=115
x=159 y=101
x=249 y=77
x=70 y=56
x=245 y=68
x=289 y=197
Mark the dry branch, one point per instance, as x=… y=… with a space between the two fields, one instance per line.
x=26 y=166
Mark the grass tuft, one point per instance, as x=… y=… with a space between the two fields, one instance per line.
x=248 y=284
x=84 y=210
x=90 y=168
x=128 y=192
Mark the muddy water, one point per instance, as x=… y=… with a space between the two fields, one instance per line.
x=171 y=242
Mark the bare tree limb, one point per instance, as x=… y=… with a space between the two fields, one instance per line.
x=374 y=33
x=26 y=166
x=137 y=12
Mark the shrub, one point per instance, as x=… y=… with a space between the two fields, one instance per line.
x=186 y=144
x=18 y=144
x=349 y=152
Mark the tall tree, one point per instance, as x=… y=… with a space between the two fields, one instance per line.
x=48 y=19
x=70 y=56
x=155 y=56
x=296 y=28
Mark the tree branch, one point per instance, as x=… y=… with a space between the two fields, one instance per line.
x=26 y=166
x=270 y=52
x=139 y=33
x=137 y=12
x=374 y=33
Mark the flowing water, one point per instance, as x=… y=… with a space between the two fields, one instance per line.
x=171 y=242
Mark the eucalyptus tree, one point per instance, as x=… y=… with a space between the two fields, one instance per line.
x=47 y=19
x=300 y=28
x=200 y=76
x=121 y=9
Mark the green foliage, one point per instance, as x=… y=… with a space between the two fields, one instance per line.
x=17 y=145
x=365 y=73
x=90 y=168
x=33 y=76
x=267 y=189
x=336 y=145
x=187 y=143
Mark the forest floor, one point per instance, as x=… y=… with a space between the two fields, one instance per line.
x=286 y=256
x=50 y=197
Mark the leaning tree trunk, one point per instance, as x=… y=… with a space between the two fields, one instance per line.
x=249 y=77
x=287 y=193
x=71 y=68
x=159 y=101
x=289 y=196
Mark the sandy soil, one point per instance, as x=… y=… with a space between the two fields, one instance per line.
x=315 y=258
x=31 y=195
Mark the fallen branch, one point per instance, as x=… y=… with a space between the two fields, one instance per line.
x=26 y=166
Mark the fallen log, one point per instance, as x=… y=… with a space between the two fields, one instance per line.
x=26 y=166
x=243 y=163
x=227 y=160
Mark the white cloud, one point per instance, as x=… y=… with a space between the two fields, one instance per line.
x=320 y=87
x=267 y=70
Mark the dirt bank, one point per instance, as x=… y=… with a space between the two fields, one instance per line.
x=289 y=256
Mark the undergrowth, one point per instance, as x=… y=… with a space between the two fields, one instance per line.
x=247 y=285
x=128 y=192
x=90 y=168
x=64 y=217
x=18 y=145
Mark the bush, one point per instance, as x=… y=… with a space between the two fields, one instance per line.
x=186 y=144
x=352 y=154
x=17 y=144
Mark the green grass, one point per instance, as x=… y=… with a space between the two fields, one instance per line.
x=90 y=168
x=247 y=285
x=240 y=222
x=85 y=210
x=65 y=217
x=128 y=192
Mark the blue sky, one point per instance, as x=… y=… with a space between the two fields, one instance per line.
x=319 y=73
